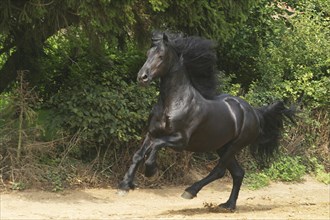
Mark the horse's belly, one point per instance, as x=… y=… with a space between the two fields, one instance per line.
x=212 y=135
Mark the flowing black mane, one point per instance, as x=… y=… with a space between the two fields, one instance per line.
x=199 y=58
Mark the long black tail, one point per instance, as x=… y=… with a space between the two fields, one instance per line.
x=271 y=119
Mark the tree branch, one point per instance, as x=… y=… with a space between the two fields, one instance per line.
x=28 y=42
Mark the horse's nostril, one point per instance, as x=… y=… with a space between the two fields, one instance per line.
x=144 y=77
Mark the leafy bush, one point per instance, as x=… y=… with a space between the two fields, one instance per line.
x=319 y=171
x=101 y=99
x=287 y=169
x=322 y=175
x=296 y=62
x=256 y=180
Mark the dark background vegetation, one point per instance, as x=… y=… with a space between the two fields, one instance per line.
x=71 y=113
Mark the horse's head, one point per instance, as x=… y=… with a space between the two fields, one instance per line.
x=158 y=61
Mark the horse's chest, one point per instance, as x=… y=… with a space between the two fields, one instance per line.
x=167 y=120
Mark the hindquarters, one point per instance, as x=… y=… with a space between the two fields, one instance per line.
x=226 y=120
x=247 y=124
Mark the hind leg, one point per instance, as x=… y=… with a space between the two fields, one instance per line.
x=237 y=174
x=226 y=153
x=227 y=161
x=217 y=173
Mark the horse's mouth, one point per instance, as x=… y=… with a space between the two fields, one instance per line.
x=144 y=83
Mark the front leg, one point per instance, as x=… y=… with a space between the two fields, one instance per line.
x=177 y=141
x=127 y=183
x=150 y=164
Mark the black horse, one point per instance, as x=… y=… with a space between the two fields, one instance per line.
x=190 y=116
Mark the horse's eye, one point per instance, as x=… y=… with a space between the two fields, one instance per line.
x=161 y=57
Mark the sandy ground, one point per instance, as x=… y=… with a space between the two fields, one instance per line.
x=307 y=200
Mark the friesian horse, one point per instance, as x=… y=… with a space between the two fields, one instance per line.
x=190 y=116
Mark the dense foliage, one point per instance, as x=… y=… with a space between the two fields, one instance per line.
x=295 y=62
x=81 y=58
x=101 y=99
x=26 y=25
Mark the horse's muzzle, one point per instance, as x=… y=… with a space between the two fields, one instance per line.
x=144 y=79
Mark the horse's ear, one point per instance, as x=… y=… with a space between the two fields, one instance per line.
x=165 y=37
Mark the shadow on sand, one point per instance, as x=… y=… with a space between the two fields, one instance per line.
x=211 y=208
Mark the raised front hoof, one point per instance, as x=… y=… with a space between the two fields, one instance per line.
x=150 y=171
x=227 y=207
x=187 y=195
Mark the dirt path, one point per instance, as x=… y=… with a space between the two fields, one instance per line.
x=307 y=200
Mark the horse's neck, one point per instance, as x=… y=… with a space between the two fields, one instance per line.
x=175 y=86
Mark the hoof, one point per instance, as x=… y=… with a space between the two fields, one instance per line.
x=227 y=207
x=121 y=192
x=187 y=195
x=126 y=186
